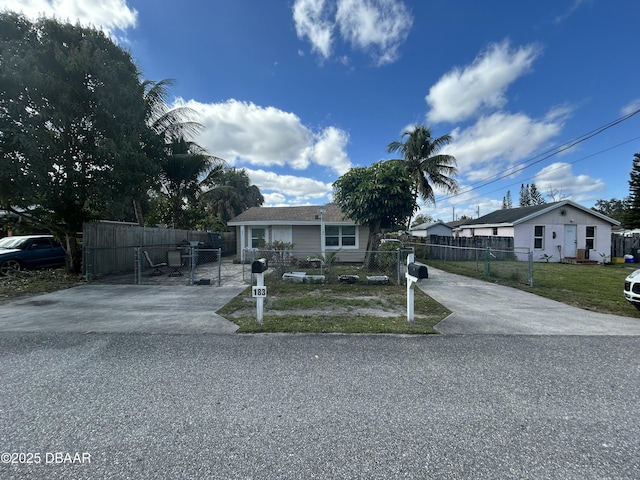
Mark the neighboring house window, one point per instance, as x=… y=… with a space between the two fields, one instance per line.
x=257 y=237
x=538 y=237
x=591 y=238
x=495 y=231
x=335 y=236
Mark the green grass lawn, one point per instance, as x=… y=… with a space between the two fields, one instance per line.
x=592 y=287
x=334 y=308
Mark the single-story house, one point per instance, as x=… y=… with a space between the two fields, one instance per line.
x=436 y=228
x=558 y=231
x=314 y=229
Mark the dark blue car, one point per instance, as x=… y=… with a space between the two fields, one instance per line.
x=30 y=252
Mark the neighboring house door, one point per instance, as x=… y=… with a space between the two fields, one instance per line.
x=282 y=233
x=570 y=240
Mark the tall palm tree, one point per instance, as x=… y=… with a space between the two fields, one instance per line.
x=425 y=166
x=232 y=194
x=168 y=123
x=186 y=171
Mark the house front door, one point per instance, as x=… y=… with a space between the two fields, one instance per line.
x=570 y=241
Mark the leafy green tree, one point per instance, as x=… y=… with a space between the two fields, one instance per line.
x=525 y=200
x=72 y=126
x=422 y=218
x=379 y=196
x=506 y=201
x=530 y=195
x=427 y=168
x=535 y=197
x=614 y=208
x=632 y=216
x=231 y=194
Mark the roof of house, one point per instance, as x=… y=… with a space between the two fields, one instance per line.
x=457 y=223
x=427 y=226
x=291 y=215
x=513 y=216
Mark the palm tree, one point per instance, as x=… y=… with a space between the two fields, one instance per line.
x=186 y=171
x=168 y=123
x=231 y=195
x=425 y=166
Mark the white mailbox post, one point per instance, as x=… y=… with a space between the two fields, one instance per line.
x=415 y=271
x=259 y=291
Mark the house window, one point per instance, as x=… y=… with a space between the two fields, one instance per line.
x=335 y=236
x=495 y=231
x=257 y=237
x=590 y=241
x=538 y=237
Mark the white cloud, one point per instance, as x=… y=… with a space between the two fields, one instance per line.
x=559 y=176
x=242 y=132
x=108 y=15
x=297 y=190
x=561 y=18
x=495 y=142
x=631 y=107
x=377 y=27
x=312 y=19
x=466 y=92
x=329 y=150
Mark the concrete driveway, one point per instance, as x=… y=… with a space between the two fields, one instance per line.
x=96 y=307
x=480 y=307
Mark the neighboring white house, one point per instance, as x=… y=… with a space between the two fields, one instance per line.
x=555 y=231
x=436 y=228
x=312 y=229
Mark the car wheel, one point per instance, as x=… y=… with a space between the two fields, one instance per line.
x=10 y=267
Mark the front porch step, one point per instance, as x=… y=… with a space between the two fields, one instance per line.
x=579 y=261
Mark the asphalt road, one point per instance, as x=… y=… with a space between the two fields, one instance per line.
x=327 y=406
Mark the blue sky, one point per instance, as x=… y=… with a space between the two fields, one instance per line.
x=299 y=91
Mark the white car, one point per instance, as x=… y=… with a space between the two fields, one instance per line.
x=632 y=288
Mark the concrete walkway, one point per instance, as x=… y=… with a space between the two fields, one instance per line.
x=480 y=307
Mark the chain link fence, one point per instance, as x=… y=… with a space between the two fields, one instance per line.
x=157 y=264
x=387 y=266
x=515 y=264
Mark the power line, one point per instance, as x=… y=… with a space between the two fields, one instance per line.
x=562 y=166
x=541 y=157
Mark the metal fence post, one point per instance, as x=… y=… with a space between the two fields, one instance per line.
x=192 y=264
x=486 y=263
x=86 y=253
x=219 y=266
x=530 y=268
x=137 y=265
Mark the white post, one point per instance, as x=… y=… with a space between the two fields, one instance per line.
x=410 y=292
x=322 y=230
x=260 y=299
x=242 y=242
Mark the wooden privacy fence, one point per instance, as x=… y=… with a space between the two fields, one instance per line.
x=621 y=246
x=109 y=247
x=462 y=248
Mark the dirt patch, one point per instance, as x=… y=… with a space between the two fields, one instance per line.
x=381 y=309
